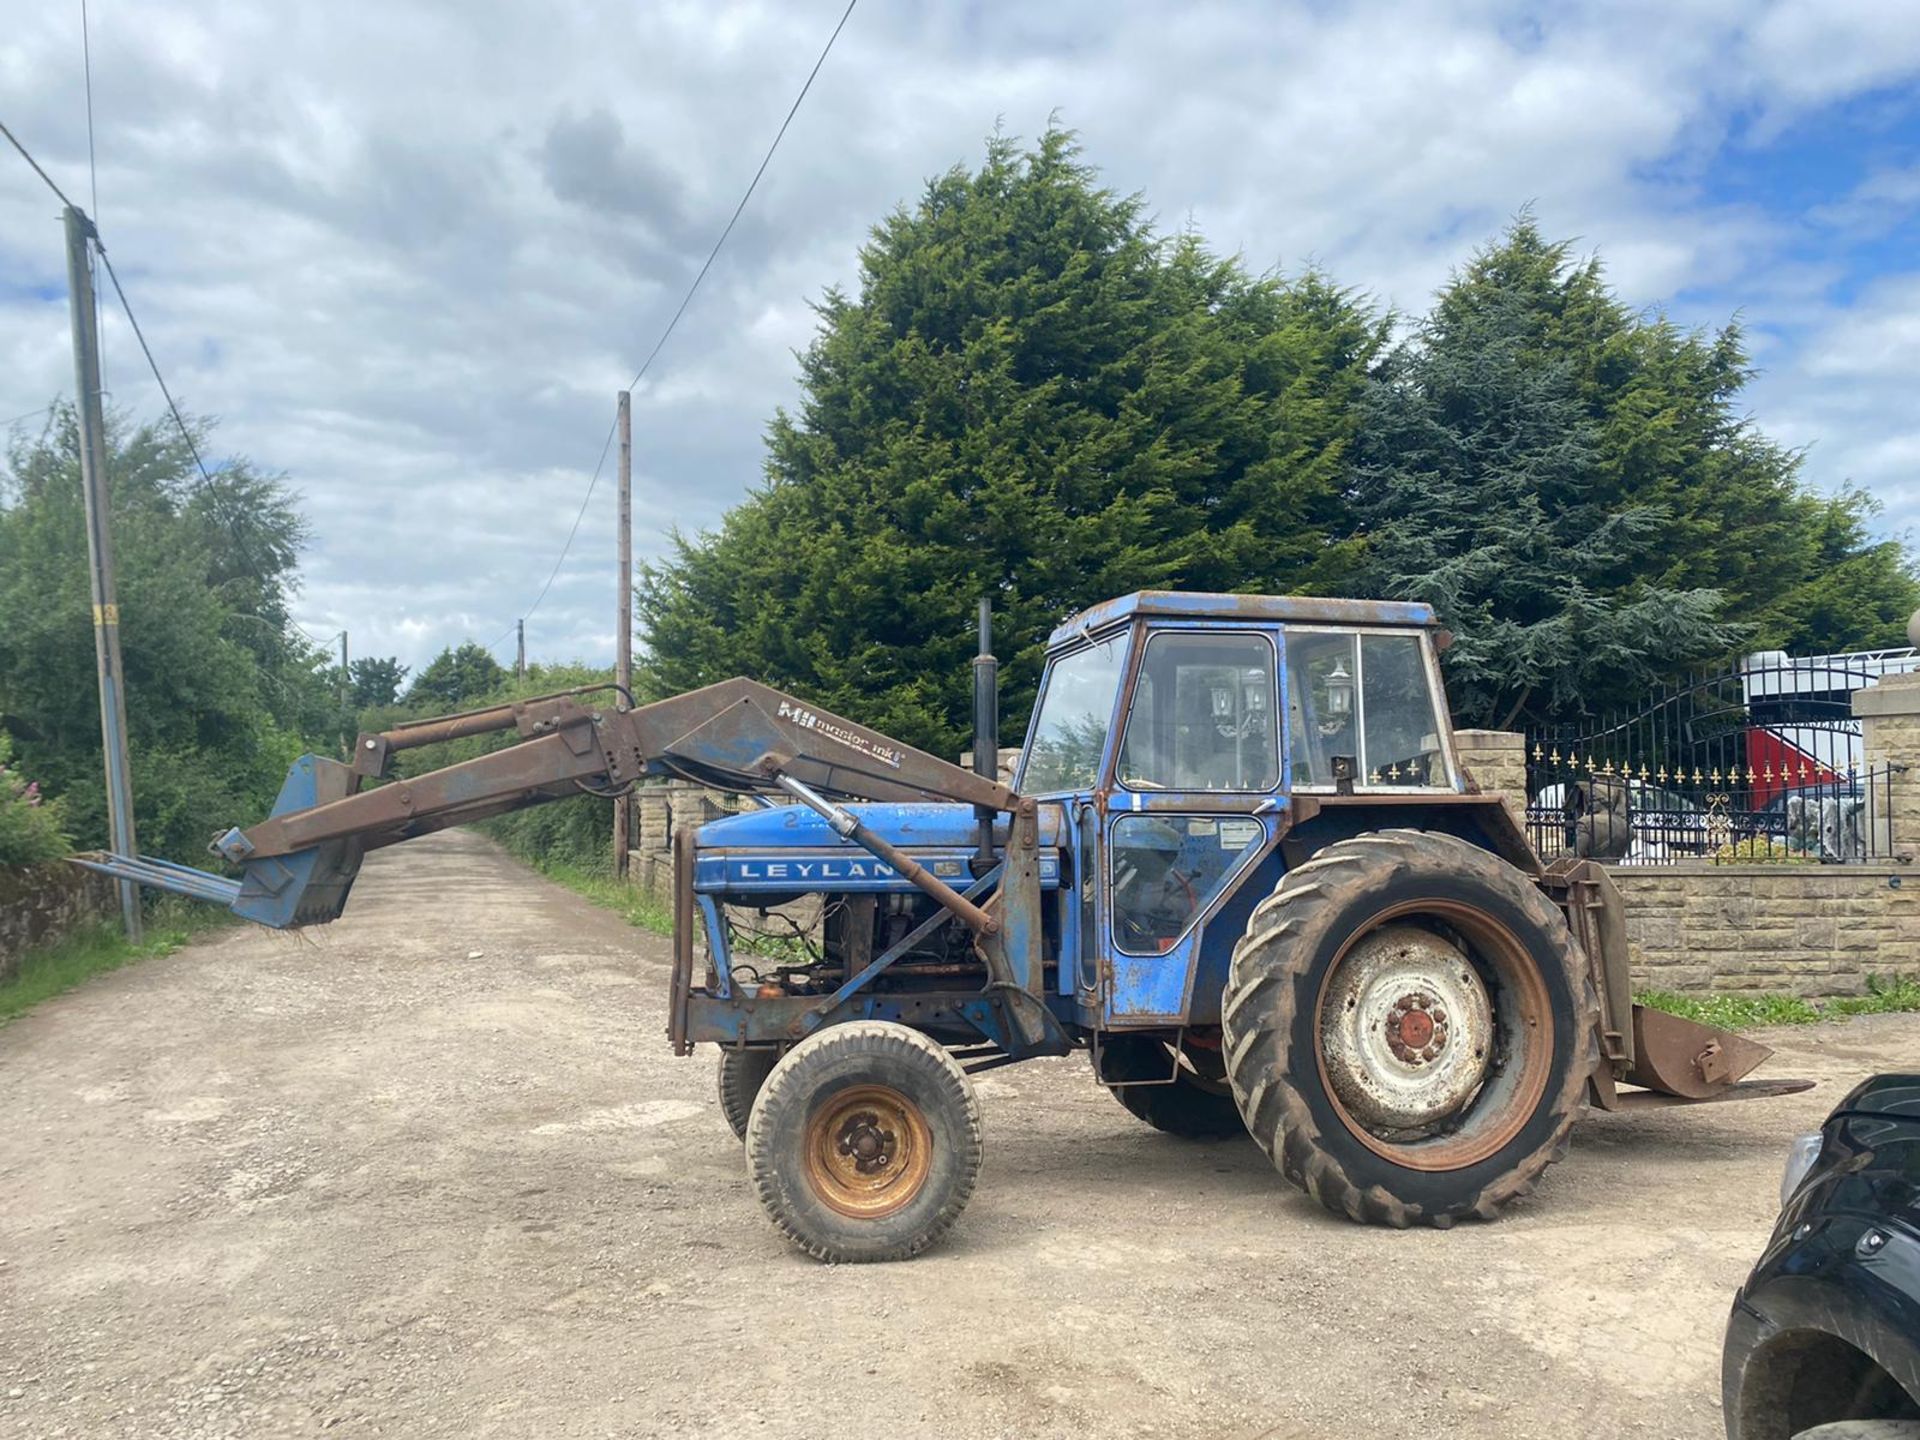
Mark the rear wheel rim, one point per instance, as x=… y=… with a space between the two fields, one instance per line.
x=1500 y=1097
x=869 y=1151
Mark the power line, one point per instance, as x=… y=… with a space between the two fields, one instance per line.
x=685 y=301
x=27 y=156
x=86 y=60
x=93 y=182
x=152 y=364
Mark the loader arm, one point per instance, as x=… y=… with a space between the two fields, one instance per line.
x=298 y=864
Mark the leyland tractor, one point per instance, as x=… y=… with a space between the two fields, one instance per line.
x=1239 y=864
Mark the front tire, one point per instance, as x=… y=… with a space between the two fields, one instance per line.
x=1410 y=1029
x=864 y=1143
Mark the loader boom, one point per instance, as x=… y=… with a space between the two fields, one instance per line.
x=299 y=863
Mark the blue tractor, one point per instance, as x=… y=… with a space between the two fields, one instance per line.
x=1239 y=864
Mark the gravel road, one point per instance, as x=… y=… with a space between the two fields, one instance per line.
x=369 y=1181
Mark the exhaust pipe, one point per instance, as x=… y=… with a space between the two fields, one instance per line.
x=986 y=732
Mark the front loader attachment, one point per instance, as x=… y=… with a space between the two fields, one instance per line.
x=1672 y=1061
x=305 y=887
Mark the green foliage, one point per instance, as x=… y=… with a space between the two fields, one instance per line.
x=1034 y=398
x=30 y=832
x=220 y=689
x=575 y=831
x=456 y=679
x=1899 y=995
x=1732 y=1012
x=374 y=681
x=629 y=901
x=96 y=949
x=1577 y=491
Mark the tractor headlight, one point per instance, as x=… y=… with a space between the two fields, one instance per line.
x=1800 y=1157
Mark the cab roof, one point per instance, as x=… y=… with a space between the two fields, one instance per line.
x=1199 y=605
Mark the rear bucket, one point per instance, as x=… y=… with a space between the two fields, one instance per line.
x=1688 y=1060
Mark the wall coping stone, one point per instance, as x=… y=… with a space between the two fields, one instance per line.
x=1696 y=868
x=1894 y=695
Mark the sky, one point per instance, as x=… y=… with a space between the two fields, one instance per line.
x=407 y=253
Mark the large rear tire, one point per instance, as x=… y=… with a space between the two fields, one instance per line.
x=742 y=1073
x=1409 y=1029
x=1196 y=1105
x=865 y=1142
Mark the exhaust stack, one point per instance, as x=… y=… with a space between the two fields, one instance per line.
x=986 y=730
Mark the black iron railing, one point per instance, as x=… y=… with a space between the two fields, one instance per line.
x=1759 y=763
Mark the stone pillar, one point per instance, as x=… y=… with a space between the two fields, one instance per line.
x=1497 y=762
x=1890 y=742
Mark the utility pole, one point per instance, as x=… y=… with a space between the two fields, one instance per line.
x=623 y=634
x=520 y=650
x=343 y=670
x=106 y=608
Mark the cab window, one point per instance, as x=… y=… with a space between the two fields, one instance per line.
x=1167 y=869
x=1369 y=698
x=1400 y=734
x=1202 y=715
x=1071 y=722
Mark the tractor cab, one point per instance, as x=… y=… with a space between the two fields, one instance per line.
x=1178 y=733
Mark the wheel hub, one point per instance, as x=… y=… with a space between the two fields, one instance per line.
x=1406 y=1029
x=867 y=1143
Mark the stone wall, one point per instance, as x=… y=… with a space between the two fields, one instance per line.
x=40 y=904
x=1496 y=761
x=1765 y=929
x=1809 y=930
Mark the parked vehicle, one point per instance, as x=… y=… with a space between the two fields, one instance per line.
x=1239 y=866
x=1824 y=1339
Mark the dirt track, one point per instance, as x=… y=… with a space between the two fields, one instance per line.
x=362 y=1183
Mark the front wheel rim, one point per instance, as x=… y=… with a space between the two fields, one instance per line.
x=1497 y=1093
x=869 y=1151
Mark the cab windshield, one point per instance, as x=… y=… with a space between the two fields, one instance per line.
x=1070 y=725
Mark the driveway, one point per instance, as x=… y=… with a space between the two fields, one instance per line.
x=433 y=1171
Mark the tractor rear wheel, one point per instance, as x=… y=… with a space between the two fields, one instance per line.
x=865 y=1142
x=1196 y=1105
x=1409 y=1029
x=742 y=1073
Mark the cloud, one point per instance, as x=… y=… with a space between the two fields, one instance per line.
x=408 y=253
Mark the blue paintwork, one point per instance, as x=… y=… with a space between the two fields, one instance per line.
x=790 y=849
x=910 y=826
x=1245 y=609
x=786 y=872
x=1169 y=986
x=309 y=885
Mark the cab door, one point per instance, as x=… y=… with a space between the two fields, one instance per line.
x=1191 y=808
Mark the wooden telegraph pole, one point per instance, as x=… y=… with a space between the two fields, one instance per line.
x=520 y=650
x=106 y=608
x=623 y=634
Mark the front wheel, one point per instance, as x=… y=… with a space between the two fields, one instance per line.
x=864 y=1143
x=1409 y=1029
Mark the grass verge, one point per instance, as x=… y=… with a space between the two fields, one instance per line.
x=51 y=969
x=630 y=902
x=1747 y=1012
